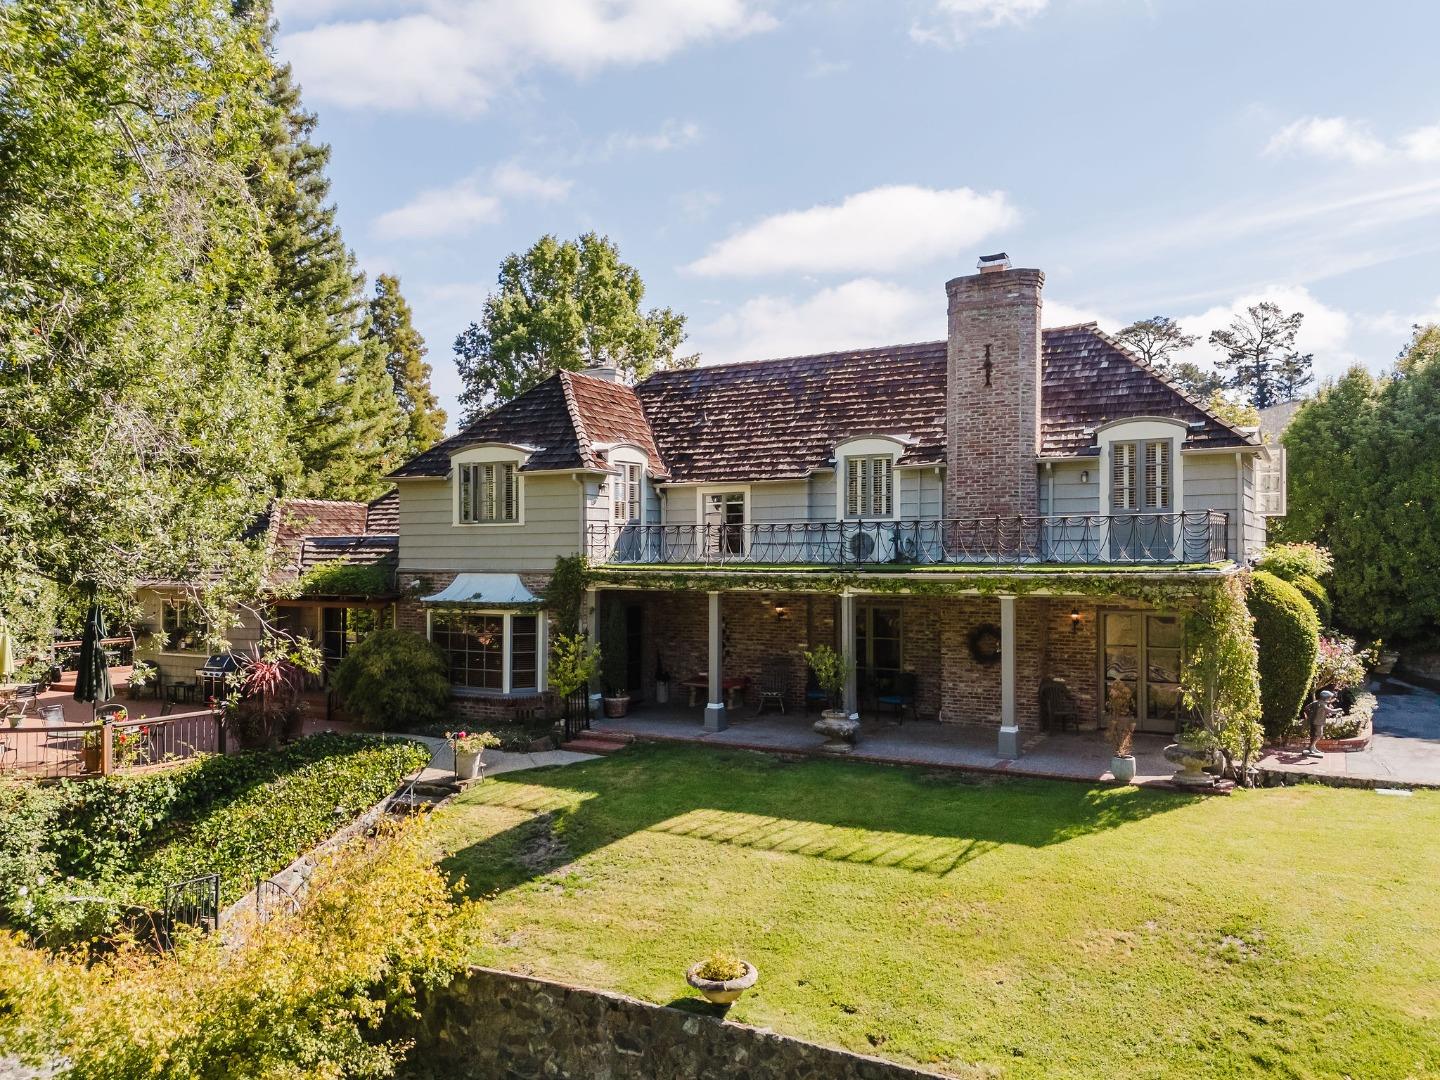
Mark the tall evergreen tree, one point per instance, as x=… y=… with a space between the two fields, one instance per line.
x=346 y=426
x=390 y=324
x=1260 y=359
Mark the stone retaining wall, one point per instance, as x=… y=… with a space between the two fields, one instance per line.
x=492 y=1025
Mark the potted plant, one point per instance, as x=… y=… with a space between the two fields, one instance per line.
x=1122 y=761
x=469 y=746
x=128 y=745
x=90 y=746
x=142 y=674
x=832 y=671
x=721 y=977
x=614 y=662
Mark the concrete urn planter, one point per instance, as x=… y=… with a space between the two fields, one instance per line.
x=1192 y=761
x=1123 y=768
x=840 y=730
x=723 y=993
x=469 y=765
x=617 y=705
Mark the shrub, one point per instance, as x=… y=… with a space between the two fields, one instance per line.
x=394 y=679
x=1339 y=665
x=614 y=652
x=720 y=967
x=1315 y=593
x=1288 y=634
x=831 y=671
x=299 y=996
x=1290 y=561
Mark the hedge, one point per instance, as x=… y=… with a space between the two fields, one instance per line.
x=1287 y=631
x=1315 y=593
x=242 y=816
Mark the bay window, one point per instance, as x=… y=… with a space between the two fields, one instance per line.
x=492 y=651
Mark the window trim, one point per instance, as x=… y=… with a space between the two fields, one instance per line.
x=867 y=447
x=1141 y=430
x=487 y=455
x=507 y=659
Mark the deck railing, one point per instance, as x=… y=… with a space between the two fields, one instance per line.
x=1088 y=540
x=34 y=751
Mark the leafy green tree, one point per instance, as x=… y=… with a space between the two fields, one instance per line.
x=1364 y=468
x=1260 y=359
x=391 y=326
x=346 y=425
x=563 y=306
x=138 y=324
x=1200 y=383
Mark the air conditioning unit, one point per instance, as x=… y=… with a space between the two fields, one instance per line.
x=874 y=543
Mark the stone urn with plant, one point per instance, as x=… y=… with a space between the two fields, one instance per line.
x=1122 y=757
x=832 y=671
x=721 y=977
x=468 y=747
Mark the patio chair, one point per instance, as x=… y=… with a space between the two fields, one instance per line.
x=52 y=715
x=1057 y=706
x=774 y=682
x=900 y=695
x=108 y=712
x=26 y=695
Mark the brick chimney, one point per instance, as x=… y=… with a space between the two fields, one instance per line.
x=993 y=390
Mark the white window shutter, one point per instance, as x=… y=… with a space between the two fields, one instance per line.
x=1122 y=476
x=467 y=493
x=852 y=487
x=511 y=509
x=885 y=467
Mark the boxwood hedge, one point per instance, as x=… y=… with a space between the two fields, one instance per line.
x=1287 y=631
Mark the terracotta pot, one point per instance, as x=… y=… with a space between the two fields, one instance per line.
x=723 y=993
x=91 y=756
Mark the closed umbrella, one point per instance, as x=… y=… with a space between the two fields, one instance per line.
x=7 y=653
x=92 y=681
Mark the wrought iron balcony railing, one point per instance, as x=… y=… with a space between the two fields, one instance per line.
x=1089 y=540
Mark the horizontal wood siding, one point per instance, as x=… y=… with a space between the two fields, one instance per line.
x=1072 y=496
x=1210 y=485
x=781 y=502
x=430 y=541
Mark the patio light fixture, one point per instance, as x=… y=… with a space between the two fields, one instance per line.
x=1074 y=620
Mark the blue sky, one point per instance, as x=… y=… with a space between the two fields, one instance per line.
x=798 y=177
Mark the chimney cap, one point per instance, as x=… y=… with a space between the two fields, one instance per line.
x=989 y=264
x=608 y=372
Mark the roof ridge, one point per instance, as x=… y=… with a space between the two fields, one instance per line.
x=582 y=436
x=1151 y=370
x=832 y=355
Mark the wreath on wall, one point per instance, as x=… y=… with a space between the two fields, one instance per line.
x=985 y=644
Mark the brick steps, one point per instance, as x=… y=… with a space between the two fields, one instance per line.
x=598 y=742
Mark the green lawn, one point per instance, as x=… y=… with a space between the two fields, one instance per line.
x=983 y=927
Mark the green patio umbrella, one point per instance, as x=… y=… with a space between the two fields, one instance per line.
x=92 y=681
x=7 y=652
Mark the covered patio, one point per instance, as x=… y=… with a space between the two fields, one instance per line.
x=1074 y=755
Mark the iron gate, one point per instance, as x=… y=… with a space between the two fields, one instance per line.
x=195 y=902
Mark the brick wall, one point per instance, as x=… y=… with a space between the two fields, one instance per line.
x=993 y=429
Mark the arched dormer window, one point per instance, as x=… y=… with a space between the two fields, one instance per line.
x=489 y=488
x=627 y=485
x=865 y=478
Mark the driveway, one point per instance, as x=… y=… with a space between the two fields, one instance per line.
x=1405 y=748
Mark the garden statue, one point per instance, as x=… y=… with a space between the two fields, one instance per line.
x=1317 y=712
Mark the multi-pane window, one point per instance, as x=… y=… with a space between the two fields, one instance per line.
x=1270 y=484
x=869 y=486
x=625 y=493
x=489 y=493
x=1140 y=475
x=478 y=646
x=724 y=522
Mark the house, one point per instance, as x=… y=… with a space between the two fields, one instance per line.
x=299 y=536
x=970 y=520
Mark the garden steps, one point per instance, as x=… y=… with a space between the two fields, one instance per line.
x=598 y=742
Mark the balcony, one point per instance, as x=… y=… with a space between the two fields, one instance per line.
x=1193 y=537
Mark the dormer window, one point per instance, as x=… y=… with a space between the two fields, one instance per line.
x=626 y=493
x=1140 y=475
x=488 y=486
x=870 y=486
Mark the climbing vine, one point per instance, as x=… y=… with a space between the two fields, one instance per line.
x=565 y=594
x=1220 y=675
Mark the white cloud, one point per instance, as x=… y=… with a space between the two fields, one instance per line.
x=883 y=229
x=955 y=21
x=857 y=314
x=672 y=135
x=1327 y=136
x=1059 y=313
x=1422 y=144
x=455 y=55
x=463 y=206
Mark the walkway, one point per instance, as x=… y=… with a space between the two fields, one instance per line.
x=497 y=762
x=1071 y=756
x=1405 y=750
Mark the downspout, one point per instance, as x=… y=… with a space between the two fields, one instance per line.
x=584 y=514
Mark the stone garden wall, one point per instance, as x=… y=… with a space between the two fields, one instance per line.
x=491 y=1025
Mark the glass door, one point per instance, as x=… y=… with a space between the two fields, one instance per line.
x=878 y=654
x=1142 y=670
x=724 y=523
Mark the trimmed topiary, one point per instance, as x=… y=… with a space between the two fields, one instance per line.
x=1292 y=561
x=1287 y=631
x=1314 y=592
x=394 y=679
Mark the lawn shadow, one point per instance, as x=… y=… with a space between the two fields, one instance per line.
x=852 y=812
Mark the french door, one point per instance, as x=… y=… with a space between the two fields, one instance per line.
x=1141 y=670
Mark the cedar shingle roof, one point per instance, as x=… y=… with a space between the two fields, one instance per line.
x=382 y=516
x=780 y=419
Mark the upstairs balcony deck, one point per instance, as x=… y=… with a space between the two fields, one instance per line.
x=1159 y=540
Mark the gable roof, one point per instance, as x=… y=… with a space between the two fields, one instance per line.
x=782 y=419
x=571 y=420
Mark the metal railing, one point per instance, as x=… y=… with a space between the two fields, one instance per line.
x=1089 y=539
x=38 y=751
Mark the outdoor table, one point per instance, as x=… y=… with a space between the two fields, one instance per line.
x=732 y=687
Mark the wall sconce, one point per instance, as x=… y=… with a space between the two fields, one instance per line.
x=1084 y=476
x=1074 y=620
x=782 y=613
